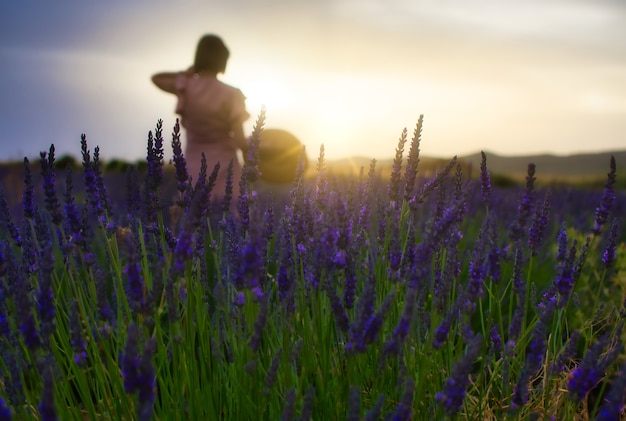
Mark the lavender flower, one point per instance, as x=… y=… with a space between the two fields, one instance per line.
x=250 y=171
x=443 y=330
x=28 y=197
x=566 y=276
x=614 y=406
x=477 y=274
x=404 y=409
x=341 y=318
x=91 y=182
x=532 y=364
x=592 y=368
x=354 y=404
x=289 y=411
x=401 y=331
x=48 y=174
x=130 y=359
x=307 y=404
x=431 y=185
x=96 y=164
x=485 y=179
x=73 y=225
x=47 y=408
x=5 y=411
x=79 y=346
x=608 y=256
x=350 y=287
x=455 y=389
x=458 y=182
x=537 y=229
x=294 y=358
x=367 y=330
x=251 y=268
x=228 y=190
x=138 y=372
x=270 y=377
x=45 y=295
x=27 y=324
x=259 y=325
x=134 y=285
x=374 y=413
x=394 y=183
x=493 y=262
x=608 y=197
x=154 y=159
x=147 y=382
x=321 y=185
x=495 y=339
x=413 y=159
x=566 y=354
x=182 y=175
x=525 y=206
x=7 y=221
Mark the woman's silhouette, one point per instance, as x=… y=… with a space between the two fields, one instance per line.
x=211 y=112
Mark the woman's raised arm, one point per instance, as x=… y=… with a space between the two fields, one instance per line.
x=165 y=81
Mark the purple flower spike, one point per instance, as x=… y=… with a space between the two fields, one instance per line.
x=485 y=179
x=413 y=159
x=525 y=206
x=537 y=229
x=130 y=359
x=250 y=171
x=592 y=368
x=259 y=325
x=354 y=413
x=614 y=406
x=45 y=295
x=608 y=197
x=271 y=375
x=495 y=339
x=28 y=197
x=5 y=411
x=7 y=221
x=138 y=372
x=182 y=175
x=48 y=174
x=28 y=329
x=608 y=257
x=534 y=358
x=290 y=407
x=307 y=404
x=134 y=286
x=404 y=409
x=374 y=413
x=341 y=318
x=79 y=346
x=47 y=408
x=567 y=353
x=455 y=389
x=394 y=183
x=401 y=331
x=147 y=383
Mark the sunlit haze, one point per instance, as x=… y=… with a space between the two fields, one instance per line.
x=504 y=76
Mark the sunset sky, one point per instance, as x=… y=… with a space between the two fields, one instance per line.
x=511 y=77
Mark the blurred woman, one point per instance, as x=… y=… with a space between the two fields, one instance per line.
x=211 y=112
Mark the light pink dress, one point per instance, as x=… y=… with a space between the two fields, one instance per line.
x=209 y=110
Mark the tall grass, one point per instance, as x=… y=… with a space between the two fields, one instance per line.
x=352 y=298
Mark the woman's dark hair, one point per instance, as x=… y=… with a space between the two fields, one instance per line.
x=211 y=54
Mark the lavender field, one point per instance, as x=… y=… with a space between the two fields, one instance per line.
x=345 y=297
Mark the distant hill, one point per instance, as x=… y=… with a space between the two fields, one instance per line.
x=551 y=167
x=578 y=165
